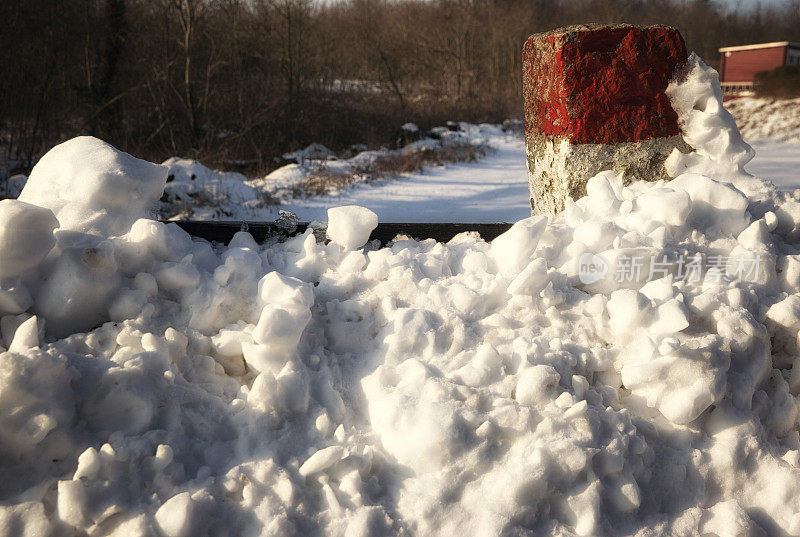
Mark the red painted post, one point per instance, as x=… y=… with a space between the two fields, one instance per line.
x=595 y=100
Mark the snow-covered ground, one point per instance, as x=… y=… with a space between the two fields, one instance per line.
x=773 y=129
x=493 y=189
x=777 y=161
x=628 y=367
x=198 y=193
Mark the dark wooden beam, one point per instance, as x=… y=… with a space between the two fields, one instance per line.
x=223 y=231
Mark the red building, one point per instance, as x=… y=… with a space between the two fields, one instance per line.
x=739 y=65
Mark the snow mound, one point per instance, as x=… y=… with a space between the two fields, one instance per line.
x=194 y=185
x=627 y=367
x=92 y=187
x=311 y=152
x=762 y=119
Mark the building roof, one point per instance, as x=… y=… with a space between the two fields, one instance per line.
x=791 y=44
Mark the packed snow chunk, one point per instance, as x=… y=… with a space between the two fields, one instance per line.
x=537 y=384
x=166 y=242
x=174 y=517
x=783 y=320
x=281 y=326
x=275 y=288
x=717 y=208
x=26 y=336
x=35 y=402
x=416 y=417
x=681 y=383
x=177 y=277
x=261 y=358
x=727 y=519
x=71 y=501
x=26 y=236
x=91 y=187
x=293 y=390
x=531 y=280
x=322 y=460
x=605 y=192
x=89 y=463
x=263 y=393
x=24 y=519
x=350 y=226
x=228 y=345
x=513 y=250
x=14 y=297
x=78 y=288
x=661 y=205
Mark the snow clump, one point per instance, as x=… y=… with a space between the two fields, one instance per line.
x=155 y=384
x=350 y=226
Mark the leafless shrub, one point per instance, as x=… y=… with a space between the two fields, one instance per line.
x=402 y=162
x=322 y=181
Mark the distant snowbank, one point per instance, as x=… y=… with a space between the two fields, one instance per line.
x=760 y=119
x=627 y=367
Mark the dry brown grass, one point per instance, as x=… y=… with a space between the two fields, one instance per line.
x=322 y=181
x=399 y=163
x=388 y=166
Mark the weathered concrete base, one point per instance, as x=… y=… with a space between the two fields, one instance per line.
x=557 y=168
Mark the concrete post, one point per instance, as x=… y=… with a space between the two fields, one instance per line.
x=595 y=100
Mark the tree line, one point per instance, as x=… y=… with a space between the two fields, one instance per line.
x=237 y=82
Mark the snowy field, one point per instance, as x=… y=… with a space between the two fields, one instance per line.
x=628 y=367
x=493 y=189
x=777 y=161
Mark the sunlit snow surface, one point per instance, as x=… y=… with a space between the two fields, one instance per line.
x=777 y=161
x=494 y=189
x=628 y=367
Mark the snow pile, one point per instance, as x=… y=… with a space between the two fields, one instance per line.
x=627 y=367
x=718 y=149
x=207 y=193
x=11 y=187
x=93 y=188
x=760 y=119
x=310 y=152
